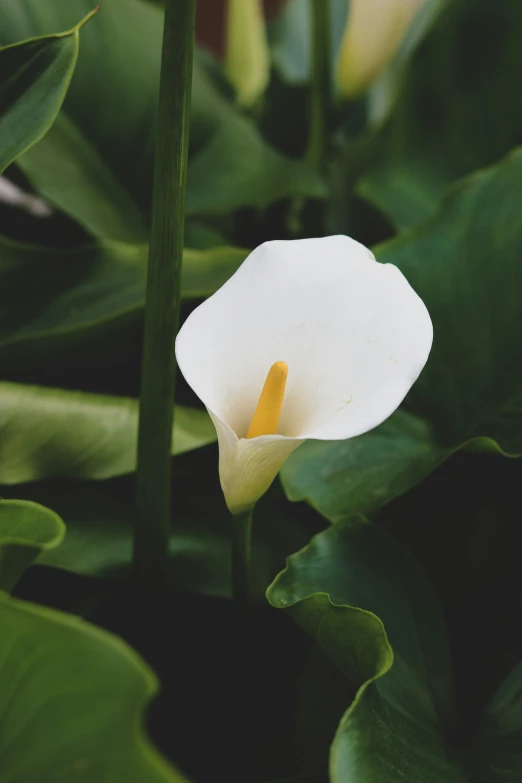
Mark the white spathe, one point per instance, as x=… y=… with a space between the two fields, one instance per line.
x=352 y=331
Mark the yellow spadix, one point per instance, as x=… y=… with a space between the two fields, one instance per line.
x=266 y=415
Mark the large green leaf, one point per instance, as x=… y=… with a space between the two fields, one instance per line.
x=26 y=530
x=439 y=130
x=72 y=702
x=96 y=163
x=35 y=77
x=236 y=169
x=53 y=300
x=465 y=264
x=54 y=432
x=371 y=609
x=362 y=473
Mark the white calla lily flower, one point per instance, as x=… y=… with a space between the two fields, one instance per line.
x=345 y=336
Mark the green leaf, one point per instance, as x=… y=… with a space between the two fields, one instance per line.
x=73 y=698
x=363 y=473
x=96 y=163
x=26 y=530
x=54 y=432
x=243 y=172
x=51 y=300
x=35 y=77
x=371 y=609
x=469 y=280
x=497 y=747
x=431 y=139
x=204 y=271
x=464 y=263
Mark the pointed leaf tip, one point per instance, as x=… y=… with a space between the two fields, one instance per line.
x=86 y=18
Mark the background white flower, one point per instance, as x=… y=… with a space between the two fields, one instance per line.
x=373 y=33
x=353 y=333
x=247 y=53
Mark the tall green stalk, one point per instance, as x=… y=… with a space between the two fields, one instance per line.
x=163 y=294
x=321 y=84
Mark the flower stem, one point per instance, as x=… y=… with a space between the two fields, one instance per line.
x=241 y=558
x=320 y=86
x=163 y=294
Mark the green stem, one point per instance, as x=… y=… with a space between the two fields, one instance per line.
x=320 y=86
x=163 y=294
x=241 y=558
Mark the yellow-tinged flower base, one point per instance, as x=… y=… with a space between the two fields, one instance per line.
x=265 y=420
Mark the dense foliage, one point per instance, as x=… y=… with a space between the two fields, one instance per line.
x=388 y=649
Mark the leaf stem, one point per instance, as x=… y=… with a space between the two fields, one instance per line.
x=163 y=295
x=320 y=84
x=241 y=558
